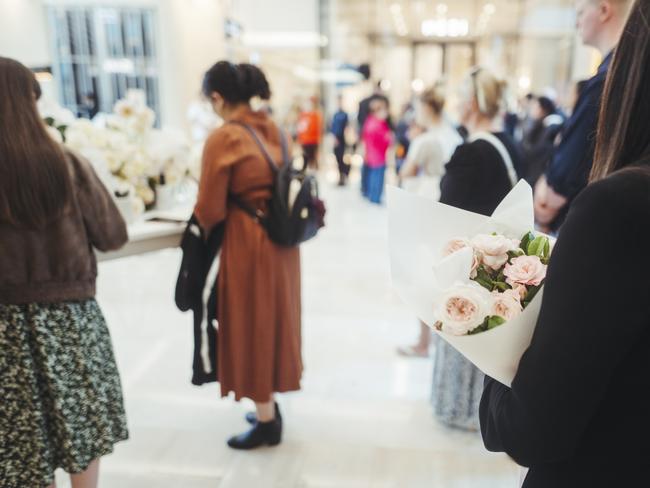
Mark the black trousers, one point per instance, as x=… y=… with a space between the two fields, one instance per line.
x=339 y=152
x=310 y=156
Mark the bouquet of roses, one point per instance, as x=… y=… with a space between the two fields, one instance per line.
x=482 y=291
x=506 y=275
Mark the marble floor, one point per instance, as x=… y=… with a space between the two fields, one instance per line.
x=363 y=418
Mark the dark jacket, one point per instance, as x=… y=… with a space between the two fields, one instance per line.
x=569 y=169
x=476 y=178
x=196 y=290
x=577 y=413
x=57 y=263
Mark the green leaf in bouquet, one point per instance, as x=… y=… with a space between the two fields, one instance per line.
x=481 y=328
x=485 y=284
x=547 y=250
x=49 y=121
x=537 y=246
x=495 y=321
x=515 y=254
x=500 y=285
x=526 y=239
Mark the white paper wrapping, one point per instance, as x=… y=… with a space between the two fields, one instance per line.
x=419 y=230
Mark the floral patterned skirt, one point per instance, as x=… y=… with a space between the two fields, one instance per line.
x=61 y=399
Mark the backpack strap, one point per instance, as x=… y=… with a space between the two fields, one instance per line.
x=502 y=150
x=260 y=144
x=257 y=214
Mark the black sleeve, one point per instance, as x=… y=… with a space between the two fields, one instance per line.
x=459 y=183
x=595 y=307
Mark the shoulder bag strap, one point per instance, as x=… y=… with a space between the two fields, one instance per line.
x=502 y=150
x=260 y=144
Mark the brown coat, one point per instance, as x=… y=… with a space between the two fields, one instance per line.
x=258 y=292
x=57 y=263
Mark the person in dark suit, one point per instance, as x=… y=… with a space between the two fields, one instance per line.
x=480 y=173
x=600 y=23
x=577 y=411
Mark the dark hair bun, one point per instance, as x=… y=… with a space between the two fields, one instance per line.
x=236 y=83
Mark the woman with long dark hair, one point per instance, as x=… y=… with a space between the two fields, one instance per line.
x=577 y=412
x=61 y=400
x=258 y=289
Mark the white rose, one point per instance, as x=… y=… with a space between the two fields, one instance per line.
x=493 y=249
x=463 y=308
x=507 y=305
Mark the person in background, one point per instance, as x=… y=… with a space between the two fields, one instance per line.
x=258 y=287
x=364 y=107
x=310 y=130
x=577 y=411
x=479 y=175
x=425 y=162
x=62 y=403
x=539 y=143
x=402 y=140
x=600 y=23
x=377 y=138
x=338 y=127
x=431 y=150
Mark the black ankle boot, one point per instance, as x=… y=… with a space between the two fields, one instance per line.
x=263 y=433
x=251 y=417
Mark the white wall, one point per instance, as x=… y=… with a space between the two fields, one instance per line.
x=23 y=32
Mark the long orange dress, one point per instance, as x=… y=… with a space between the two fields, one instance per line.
x=258 y=290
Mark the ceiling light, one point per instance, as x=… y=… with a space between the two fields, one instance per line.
x=396 y=9
x=489 y=8
x=442 y=8
x=445 y=27
x=385 y=85
x=417 y=85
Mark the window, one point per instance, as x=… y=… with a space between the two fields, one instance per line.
x=100 y=53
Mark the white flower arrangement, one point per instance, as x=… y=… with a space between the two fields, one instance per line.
x=130 y=155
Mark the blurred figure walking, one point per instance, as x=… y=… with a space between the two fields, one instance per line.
x=310 y=128
x=377 y=138
x=338 y=128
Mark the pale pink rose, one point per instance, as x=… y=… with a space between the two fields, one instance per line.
x=455 y=245
x=476 y=261
x=493 y=249
x=464 y=308
x=507 y=305
x=525 y=270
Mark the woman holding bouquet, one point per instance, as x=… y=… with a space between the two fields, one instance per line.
x=60 y=394
x=479 y=175
x=258 y=288
x=577 y=412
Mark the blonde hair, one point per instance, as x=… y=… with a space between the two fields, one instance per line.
x=490 y=92
x=434 y=97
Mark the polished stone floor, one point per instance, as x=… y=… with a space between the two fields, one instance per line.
x=363 y=418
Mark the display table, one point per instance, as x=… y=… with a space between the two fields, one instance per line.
x=156 y=230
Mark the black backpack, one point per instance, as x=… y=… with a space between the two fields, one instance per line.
x=295 y=212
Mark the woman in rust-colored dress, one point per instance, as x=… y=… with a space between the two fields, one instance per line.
x=259 y=282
